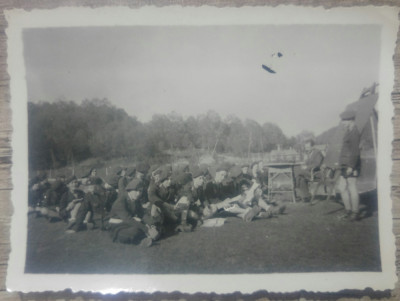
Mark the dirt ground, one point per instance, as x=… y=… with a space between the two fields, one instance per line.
x=305 y=239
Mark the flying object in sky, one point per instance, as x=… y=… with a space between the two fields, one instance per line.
x=268 y=69
x=275 y=56
x=278 y=54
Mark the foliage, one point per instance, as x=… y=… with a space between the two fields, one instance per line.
x=65 y=132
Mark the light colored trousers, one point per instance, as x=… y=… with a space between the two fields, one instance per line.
x=349 y=193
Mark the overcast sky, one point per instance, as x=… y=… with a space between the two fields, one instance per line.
x=190 y=70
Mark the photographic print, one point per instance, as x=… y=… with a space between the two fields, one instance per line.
x=224 y=150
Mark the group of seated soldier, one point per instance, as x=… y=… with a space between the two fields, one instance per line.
x=141 y=204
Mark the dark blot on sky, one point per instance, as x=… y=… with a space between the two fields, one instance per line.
x=268 y=69
x=278 y=54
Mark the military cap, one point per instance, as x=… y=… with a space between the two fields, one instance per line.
x=142 y=167
x=157 y=172
x=79 y=192
x=197 y=172
x=120 y=169
x=184 y=167
x=90 y=172
x=130 y=171
x=235 y=171
x=348 y=115
x=163 y=175
x=135 y=184
x=182 y=178
x=70 y=179
x=153 y=168
x=112 y=180
x=223 y=166
x=204 y=168
x=163 y=172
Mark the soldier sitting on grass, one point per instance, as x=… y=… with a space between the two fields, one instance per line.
x=37 y=188
x=162 y=194
x=187 y=203
x=128 y=222
x=93 y=202
x=220 y=188
x=70 y=200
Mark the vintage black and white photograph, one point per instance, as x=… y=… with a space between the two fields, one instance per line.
x=207 y=149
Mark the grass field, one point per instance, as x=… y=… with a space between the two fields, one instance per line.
x=305 y=239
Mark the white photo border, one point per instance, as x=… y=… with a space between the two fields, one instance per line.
x=18 y=19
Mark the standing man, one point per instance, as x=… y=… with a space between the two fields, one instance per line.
x=311 y=165
x=349 y=164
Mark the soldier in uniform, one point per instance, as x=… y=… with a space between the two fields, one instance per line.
x=245 y=172
x=110 y=185
x=197 y=191
x=349 y=163
x=68 y=197
x=239 y=179
x=127 y=214
x=122 y=179
x=37 y=188
x=53 y=195
x=93 y=202
x=161 y=193
x=251 y=204
x=221 y=189
x=141 y=171
x=141 y=174
x=91 y=178
x=311 y=165
x=189 y=204
x=257 y=174
x=128 y=204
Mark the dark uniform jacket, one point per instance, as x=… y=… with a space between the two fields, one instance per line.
x=66 y=198
x=350 y=152
x=123 y=208
x=216 y=192
x=55 y=192
x=122 y=182
x=158 y=194
x=315 y=159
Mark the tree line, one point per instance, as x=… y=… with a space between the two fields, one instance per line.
x=65 y=132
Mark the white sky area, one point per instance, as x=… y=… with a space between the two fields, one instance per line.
x=150 y=70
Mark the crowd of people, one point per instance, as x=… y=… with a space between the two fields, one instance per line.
x=140 y=204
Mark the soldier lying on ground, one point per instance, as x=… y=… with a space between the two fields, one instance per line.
x=248 y=205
